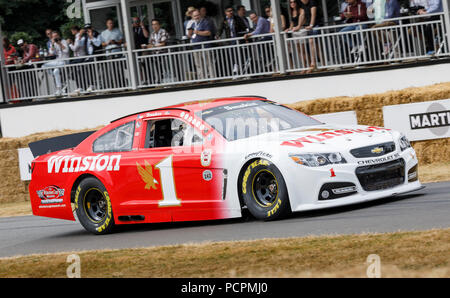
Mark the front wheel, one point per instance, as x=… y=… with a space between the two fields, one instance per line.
x=93 y=207
x=264 y=191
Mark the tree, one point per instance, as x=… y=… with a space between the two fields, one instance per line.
x=33 y=17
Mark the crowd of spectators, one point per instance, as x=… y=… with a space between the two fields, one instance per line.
x=305 y=19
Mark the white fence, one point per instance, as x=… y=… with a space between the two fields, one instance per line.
x=325 y=48
x=215 y=60
x=97 y=73
x=351 y=45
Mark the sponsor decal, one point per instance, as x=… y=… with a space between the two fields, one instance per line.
x=75 y=164
x=207 y=175
x=259 y=154
x=318 y=138
x=206 y=157
x=379 y=160
x=52 y=206
x=153 y=114
x=332 y=173
x=195 y=122
x=436 y=119
x=51 y=195
x=147 y=175
x=240 y=106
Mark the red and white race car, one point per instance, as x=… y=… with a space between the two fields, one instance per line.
x=209 y=160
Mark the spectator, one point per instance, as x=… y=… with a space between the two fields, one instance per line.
x=93 y=40
x=295 y=14
x=60 y=49
x=310 y=19
x=140 y=32
x=93 y=46
x=188 y=21
x=159 y=36
x=262 y=26
x=294 y=9
x=201 y=31
x=30 y=51
x=204 y=15
x=272 y=23
x=383 y=14
x=355 y=12
x=78 y=45
x=9 y=52
x=241 y=12
x=48 y=33
x=232 y=25
x=112 y=38
x=429 y=7
x=267 y=12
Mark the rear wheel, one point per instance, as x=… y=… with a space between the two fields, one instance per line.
x=93 y=207
x=264 y=191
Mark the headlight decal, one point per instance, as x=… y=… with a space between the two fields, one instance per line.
x=318 y=159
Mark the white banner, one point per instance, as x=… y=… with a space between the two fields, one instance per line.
x=344 y=118
x=25 y=159
x=420 y=121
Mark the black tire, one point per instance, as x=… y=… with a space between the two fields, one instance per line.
x=264 y=191
x=93 y=206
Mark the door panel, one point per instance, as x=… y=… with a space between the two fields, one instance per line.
x=186 y=180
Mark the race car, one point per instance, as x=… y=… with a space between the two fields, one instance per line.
x=212 y=159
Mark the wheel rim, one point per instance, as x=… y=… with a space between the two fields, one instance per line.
x=265 y=188
x=95 y=205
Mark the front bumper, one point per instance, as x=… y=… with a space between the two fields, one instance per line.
x=371 y=183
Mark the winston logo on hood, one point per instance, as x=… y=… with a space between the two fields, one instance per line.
x=317 y=138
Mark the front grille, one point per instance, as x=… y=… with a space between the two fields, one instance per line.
x=381 y=176
x=373 y=150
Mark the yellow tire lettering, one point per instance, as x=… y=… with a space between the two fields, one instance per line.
x=108 y=219
x=253 y=165
x=77 y=195
x=275 y=208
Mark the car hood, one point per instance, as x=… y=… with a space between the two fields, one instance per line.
x=323 y=138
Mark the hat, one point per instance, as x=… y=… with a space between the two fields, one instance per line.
x=20 y=42
x=190 y=10
x=87 y=26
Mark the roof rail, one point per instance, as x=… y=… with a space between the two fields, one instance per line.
x=254 y=96
x=149 y=111
x=180 y=109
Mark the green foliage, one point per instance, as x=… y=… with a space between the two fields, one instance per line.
x=34 y=17
x=20 y=35
x=65 y=28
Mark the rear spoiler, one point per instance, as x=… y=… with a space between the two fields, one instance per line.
x=59 y=143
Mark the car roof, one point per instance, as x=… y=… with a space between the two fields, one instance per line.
x=198 y=105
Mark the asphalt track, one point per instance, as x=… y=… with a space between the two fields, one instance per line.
x=425 y=209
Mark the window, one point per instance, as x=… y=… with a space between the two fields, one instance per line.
x=251 y=118
x=171 y=133
x=119 y=139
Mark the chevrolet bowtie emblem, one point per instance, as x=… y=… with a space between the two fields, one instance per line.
x=377 y=150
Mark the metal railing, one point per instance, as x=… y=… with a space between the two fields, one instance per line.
x=407 y=38
x=75 y=76
x=328 y=48
x=208 y=61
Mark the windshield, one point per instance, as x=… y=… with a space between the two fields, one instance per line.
x=247 y=119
